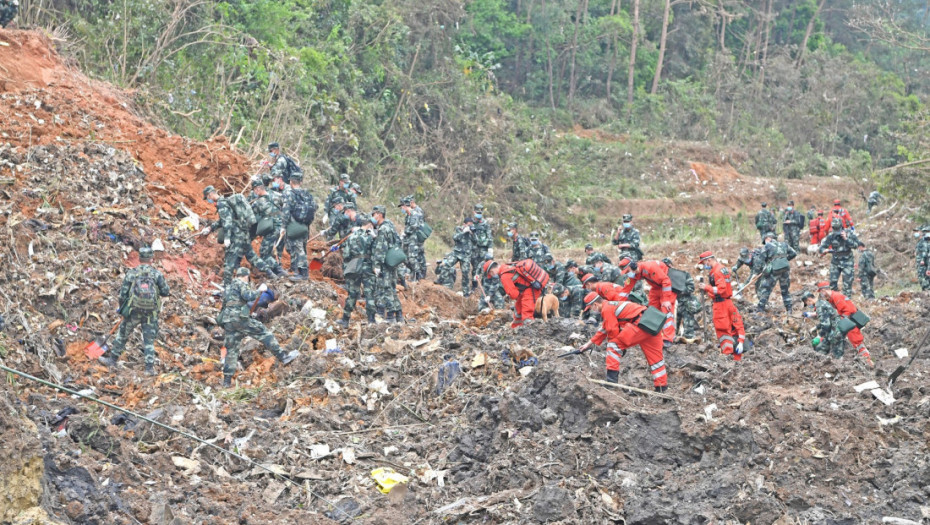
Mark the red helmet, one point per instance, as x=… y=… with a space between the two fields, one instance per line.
x=590 y=299
x=823 y=285
x=706 y=255
x=836 y=202
x=587 y=277
x=626 y=261
x=486 y=267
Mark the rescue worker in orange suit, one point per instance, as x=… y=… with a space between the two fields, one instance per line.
x=661 y=295
x=620 y=330
x=845 y=308
x=607 y=290
x=839 y=212
x=727 y=321
x=818 y=228
x=524 y=282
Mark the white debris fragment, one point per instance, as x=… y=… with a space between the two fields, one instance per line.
x=901 y=353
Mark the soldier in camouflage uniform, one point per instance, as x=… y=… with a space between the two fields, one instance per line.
x=264 y=207
x=139 y=304
x=339 y=227
x=765 y=221
x=920 y=257
x=297 y=247
x=538 y=250
x=608 y=273
x=867 y=273
x=773 y=253
x=521 y=245
x=8 y=11
x=385 y=275
x=464 y=247
x=629 y=244
x=236 y=237
x=238 y=298
x=592 y=256
x=841 y=244
x=749 y=258
x=688 y=307
x=445 y=271
x=484 y=240
x=413 y=221
x=493 y=296
x=356 y=267
x=571 y=300
x=342 y=191
x=832 y=341
x=792 y=223
x=874 y=198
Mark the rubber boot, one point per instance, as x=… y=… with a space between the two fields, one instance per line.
x=371 y=318
x=271 y=273
x=344 y=322
x=398 y=316
x=613 y=376
x=289 y=357
x=227 y=381
x=280 y=271
x=301 y=275
x=661 y=388
x=666 y=345
x=150 y=370
x=381 y=312
x=107 y=361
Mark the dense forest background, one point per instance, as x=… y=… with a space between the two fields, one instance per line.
x=451 y=98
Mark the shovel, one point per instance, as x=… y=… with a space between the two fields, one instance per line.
x=98 y=346
x=900 y=370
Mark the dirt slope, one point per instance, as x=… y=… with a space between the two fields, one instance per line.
x=782 y=437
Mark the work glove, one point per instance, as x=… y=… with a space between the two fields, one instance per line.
x=226 y=243
x=263 y=287
x=536 y=285
x=377 y=272
x=204 y=231
x=807 y=315
x=491 y=252
x=700 y=278
x=325 y=219
x=739 y=349
x=373 y=233
x=335 y=247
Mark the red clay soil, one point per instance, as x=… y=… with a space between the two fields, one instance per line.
x=65 y=105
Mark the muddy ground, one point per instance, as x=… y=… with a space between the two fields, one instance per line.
x=781 y=437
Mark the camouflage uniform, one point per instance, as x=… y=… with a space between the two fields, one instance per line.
x=594 y=256
x=867 y=273
x=765 y=221
x=521 y=245
x=874 y=198
x=239 y=243
x=238 y=324
x=296 y=247
x=445 y=271
x=611 y=274
x=416 y=259
x=385 y=276
x=464 y=240
x=920 y=255
x=493 y=293
x=688 y=307
x=133 y=318
x=484 y=239
x=629 y=235
x=538 y=251
x=264 y=206
x=342 y=192
x=749 y=258
x=771 y=252
x=832 y=340
x=358 y=246
x=842 y=242
x=8 y=11
x=792 y=223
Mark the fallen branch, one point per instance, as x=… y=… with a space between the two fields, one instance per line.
x=633 y=389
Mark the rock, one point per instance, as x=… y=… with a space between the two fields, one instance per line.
x=552 y=503
x=549 y=416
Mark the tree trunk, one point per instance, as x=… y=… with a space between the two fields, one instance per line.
x=582 y=8
x=612 y=49
x=723 y=27
x=807 y=34
x=632 y=70
x=765 y=44
x=662 y=39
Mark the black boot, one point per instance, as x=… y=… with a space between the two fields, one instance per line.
x=381 y=312
x=301 y=275
x=661 y=388
x=227 y=381
x=287 y=358
x=398 y=316
x=150 y=370
x=107 y=361
x=280 y=271
x=371 y=318
x=344 y=322
x=613 y=376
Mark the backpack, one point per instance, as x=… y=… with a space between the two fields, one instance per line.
x=679 y=280
x=143 y=295
x=243 y=213
x=292 y=168
x=532 y=272
x=304 y=208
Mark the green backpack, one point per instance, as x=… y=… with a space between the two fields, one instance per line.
x=245 y=217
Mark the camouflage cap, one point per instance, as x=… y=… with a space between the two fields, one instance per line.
x=512 y=225
x=274 y=145
x=363 y=217
x=208 y=190
x=570 y=263
x=257 y=182
x=836 y=223
x=925 y=229
x=146 y=253
x=627 y=217
x=404 y=202
x=790 y=203
x=547 y=257
x=558 y=289
x=344 y=176
x=534 y=236
x=350 y=206
x=806 y=295
x=338 y=200
x=744 y=252
x=765 y=204
x=479 y=207
x=379 y=209
x=667 y=262
x=356 y=188
x=242 y=271
x=770 y=235
x=588 y=246
x=468 y=219
x=297 y=175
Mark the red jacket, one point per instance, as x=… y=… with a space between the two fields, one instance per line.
x=609 y=291
x=817 y=228
x=719 y=282
x=843 y=305
x=840 y=213
x=611 y=325
x=656 y=274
